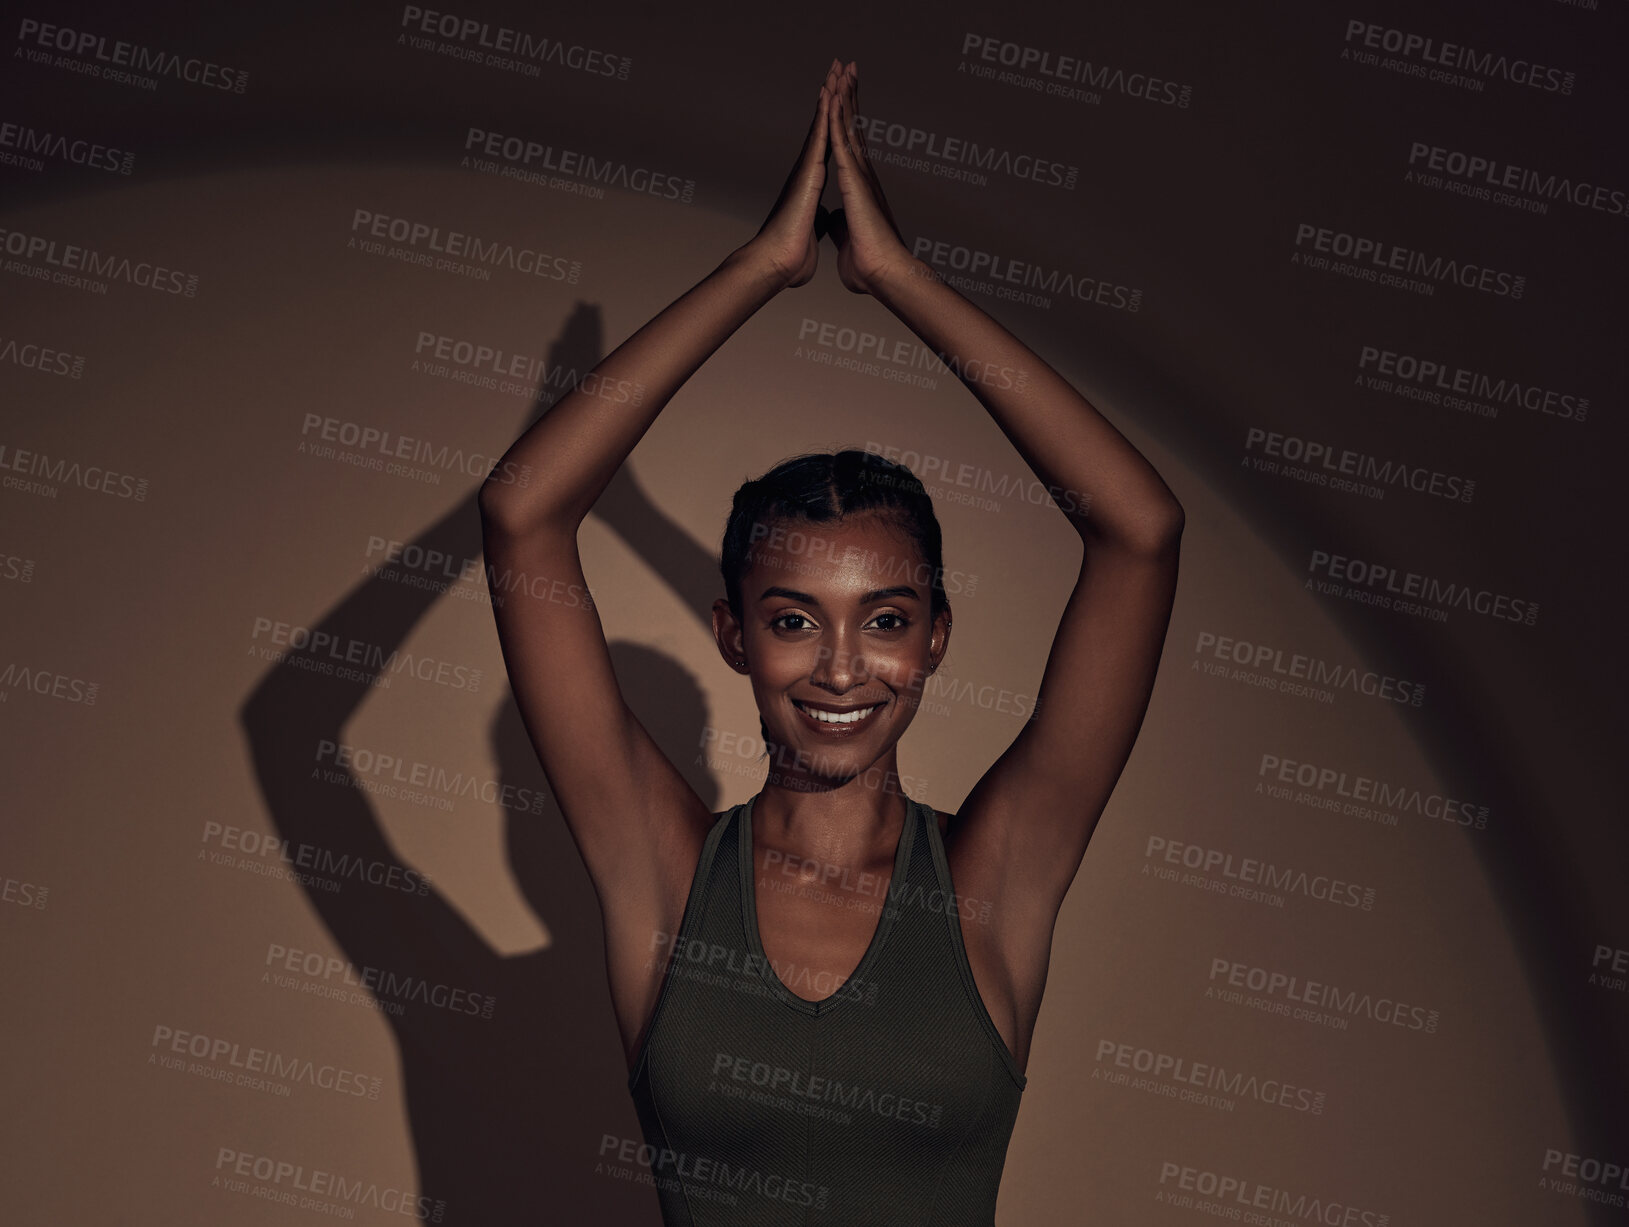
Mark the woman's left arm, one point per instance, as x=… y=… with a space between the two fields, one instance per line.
x=1024 y=828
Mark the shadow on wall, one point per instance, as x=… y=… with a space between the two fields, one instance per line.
x=507 y=1113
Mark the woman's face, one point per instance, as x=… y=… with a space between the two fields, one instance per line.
x=838 y=636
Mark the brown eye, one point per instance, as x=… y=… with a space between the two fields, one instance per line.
x=776 y=622
x=900 y=621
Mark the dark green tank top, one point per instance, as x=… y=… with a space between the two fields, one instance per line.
x=890 y=1101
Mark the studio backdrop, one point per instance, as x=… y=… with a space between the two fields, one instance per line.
x=293 y=929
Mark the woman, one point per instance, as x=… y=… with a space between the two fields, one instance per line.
x=826 y=995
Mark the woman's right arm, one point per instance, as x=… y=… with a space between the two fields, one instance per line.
x=635 y=820
x=620 y=796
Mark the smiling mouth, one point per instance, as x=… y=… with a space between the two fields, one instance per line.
x=843 y=719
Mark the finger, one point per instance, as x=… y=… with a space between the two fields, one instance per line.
x=811 y=138
x=853 y=107
x=851 y=128
x=840 y=144
x=818 y=130
x=852 y=144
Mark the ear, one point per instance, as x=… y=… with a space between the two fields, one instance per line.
x=728 y=634
x=939 y=641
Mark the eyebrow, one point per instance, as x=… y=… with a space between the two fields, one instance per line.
x=870 y=598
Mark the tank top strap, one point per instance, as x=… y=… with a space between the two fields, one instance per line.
x=695 y=910
x=953 y=912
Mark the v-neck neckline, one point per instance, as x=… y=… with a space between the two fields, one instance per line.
x=749 y=914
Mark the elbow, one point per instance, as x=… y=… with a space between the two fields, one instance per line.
x=514 y=511
x=1158 y=532
x=504 y=509
x=1172 y=523
x=496 y=507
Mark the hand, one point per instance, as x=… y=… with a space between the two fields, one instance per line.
x=788 y=240
x=869 y=245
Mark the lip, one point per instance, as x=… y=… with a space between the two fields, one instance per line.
x=838 y=730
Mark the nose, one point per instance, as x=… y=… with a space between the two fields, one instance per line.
x=837 y=668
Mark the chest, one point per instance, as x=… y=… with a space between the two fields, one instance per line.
x=825 y=1027
x=816 y=923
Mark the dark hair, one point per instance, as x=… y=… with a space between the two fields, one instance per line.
x=819 y=487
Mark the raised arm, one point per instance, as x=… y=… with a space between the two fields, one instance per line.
x=637 y=823
x=1023 y=830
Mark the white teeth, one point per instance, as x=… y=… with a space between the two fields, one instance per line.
x=831 y=717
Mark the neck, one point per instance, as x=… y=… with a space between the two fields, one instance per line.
x=837 y=822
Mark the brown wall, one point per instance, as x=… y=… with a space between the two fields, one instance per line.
x=163 y=582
